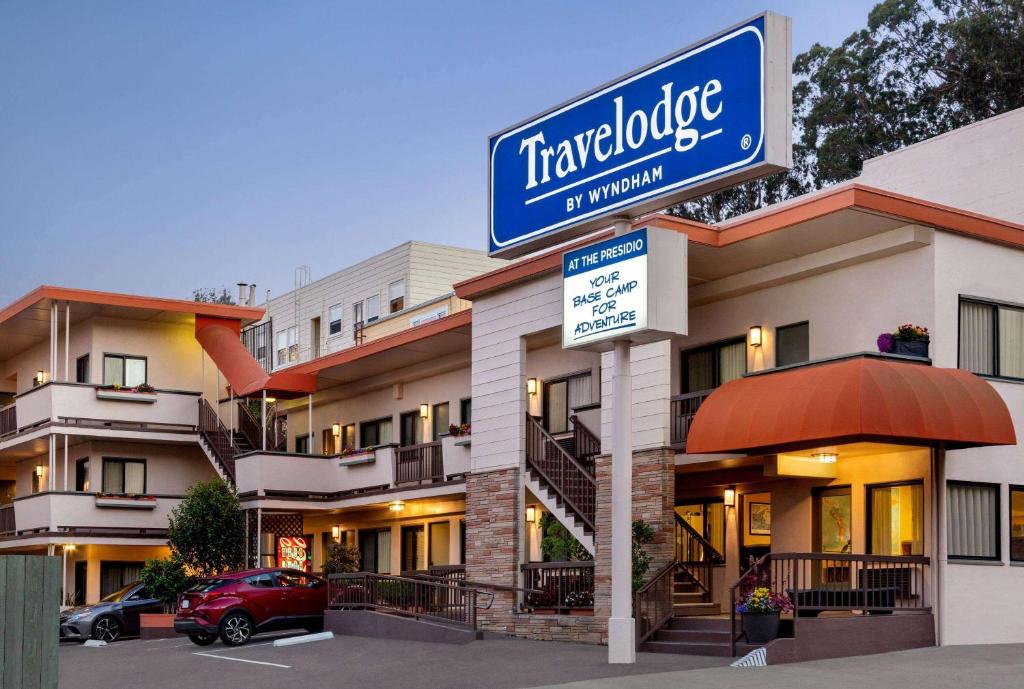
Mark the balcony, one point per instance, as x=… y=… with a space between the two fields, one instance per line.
x=89 y=406
x=682 y=410
x=363 y=471
x=89 y=512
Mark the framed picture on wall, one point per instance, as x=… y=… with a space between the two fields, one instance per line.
x=759 y=518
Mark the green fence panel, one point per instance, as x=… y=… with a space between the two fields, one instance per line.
x=29 y=611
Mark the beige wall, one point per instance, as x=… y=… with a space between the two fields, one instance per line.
x=95 y=555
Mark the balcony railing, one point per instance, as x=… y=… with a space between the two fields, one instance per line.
x=8 y=420
x=422 y=463
x=683 y=409
x=558 y=586
x=7 y=523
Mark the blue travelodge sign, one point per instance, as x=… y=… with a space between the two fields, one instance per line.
x=710 y=116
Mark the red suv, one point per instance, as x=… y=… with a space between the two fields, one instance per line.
x=235 y=606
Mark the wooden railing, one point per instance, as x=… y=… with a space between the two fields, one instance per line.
x=422 y=463
x=696 y=556
x=816 y=582
x=448 y=602
x=217 y=438
x=683 y=409
x=652 y=602
x=451 y=573
x=7 y=526
x=575 y=486
x=586 y=445
x=559 y=586
x=252 y=429
x=8 y=419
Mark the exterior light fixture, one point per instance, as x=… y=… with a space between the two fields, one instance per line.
x=755 y=335
x=729 y=497
x=39 y=469
x=424 y=410
x=531 y=514
x=336 y=430
x=826 y=457
x=531 y=386
x=336 y=532
x=396 y=505
x=40 y=377
x=68 y=547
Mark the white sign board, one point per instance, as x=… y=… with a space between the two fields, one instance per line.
x=632 y=287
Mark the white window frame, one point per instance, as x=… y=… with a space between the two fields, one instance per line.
x=332 y=311
x=374 y=313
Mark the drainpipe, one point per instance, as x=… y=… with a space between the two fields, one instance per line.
x=67 y=341
x=939 y=490
x=263 y=414
x=310 y=415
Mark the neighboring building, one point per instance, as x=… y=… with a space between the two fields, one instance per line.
x=402 y=287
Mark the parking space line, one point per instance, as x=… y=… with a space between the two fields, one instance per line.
x=243 y=660
x=164 y=648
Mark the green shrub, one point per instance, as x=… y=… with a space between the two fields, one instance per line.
x=342 y=559
x=165 y=579
x=206 y=531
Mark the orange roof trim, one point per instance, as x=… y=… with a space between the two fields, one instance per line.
x=863 y=398
x=774 y=218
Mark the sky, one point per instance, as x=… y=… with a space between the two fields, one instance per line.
x=153 y=147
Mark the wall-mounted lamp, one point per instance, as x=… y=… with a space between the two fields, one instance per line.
x=755 y=335
x=729 y=497
x=40 y=377
x=826 y=457
x=68 y=547
x=39 y=469
x=531 y=514
x=531 y=386
x=336 y=532
x=424 y=410
x=336 y=430
x=396 y=505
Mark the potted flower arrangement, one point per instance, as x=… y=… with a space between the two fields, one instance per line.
x=144 y=392
x=458 y=430
x=580 y=603
x=760 y=609
x=908 y=339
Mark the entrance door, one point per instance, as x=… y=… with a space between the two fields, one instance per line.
x=411 y=428
x=413 y=542
x=440 y=544
x=755 y=527
x=314 y=337
x=832 y=533
x=81 y=569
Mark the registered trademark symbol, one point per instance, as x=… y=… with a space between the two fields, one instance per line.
x=745 y=142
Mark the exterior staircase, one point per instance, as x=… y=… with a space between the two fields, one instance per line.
x=565 y=485
x=689 y=599
x=702 y=636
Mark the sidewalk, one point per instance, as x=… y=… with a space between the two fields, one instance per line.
x=950 y=667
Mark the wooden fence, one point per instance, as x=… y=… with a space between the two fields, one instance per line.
x=29 y=621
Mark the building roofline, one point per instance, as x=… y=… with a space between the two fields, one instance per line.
x=847 y=196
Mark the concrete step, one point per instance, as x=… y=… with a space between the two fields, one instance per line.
x=693 y=609
x=706 y=623
x=722 y=650
x=688 y=597
x=693 y=635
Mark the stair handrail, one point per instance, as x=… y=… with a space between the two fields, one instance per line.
x=701 y=570
x=705 y=544
x=212 y=429
x=587 y=516
x=757 y=565
x=657 y=591
x=251 y=428
x=583 y=437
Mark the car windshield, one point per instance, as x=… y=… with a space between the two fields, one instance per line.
x=209 y=585
x=118 y=595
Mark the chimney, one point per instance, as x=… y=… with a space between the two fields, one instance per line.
x=252 y=295
x=241 y=293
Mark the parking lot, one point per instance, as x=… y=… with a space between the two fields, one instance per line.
x=354 y=662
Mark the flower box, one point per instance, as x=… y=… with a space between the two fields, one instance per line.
x=357 y=458
x=137 y=502
x=125 y=395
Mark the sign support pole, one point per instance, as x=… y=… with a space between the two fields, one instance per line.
x=621 y=625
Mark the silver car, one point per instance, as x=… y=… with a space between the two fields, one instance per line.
x=114 y=616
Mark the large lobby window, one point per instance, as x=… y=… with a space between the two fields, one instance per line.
x=792 y=344
x=706 y=368
x=896 y=519
x=992 y=338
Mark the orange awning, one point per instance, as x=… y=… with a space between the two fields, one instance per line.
x=862 y=398
x=219 y=337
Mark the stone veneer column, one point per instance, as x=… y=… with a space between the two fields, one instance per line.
x=492 y=541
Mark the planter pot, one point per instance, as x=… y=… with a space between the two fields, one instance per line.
x=126 y=396
x=760 y=628
x=910 y=347
x=130 y=503
x=156 y=626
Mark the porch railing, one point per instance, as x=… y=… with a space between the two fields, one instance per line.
x=586 y=445
x=8 y=419
x=560 y=586
x=423 y=463
x=576 y=487
x=252 y=429
x=816 y=582
x=652 y=602
x=451 y=573
x=7 y=526
x=441 y=601
x=683 y=409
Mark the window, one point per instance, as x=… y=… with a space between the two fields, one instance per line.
x=261 y=581
x=373 y=433
x=411 y=428
x=334 y=320
x=414 y=542
x=302 y=444
x=375 y=550
x=82 y=475
x=708 y=367
x=314 y=337
x=396 y=296
x=124 y=476
x=372 y=308
x=82 y=369
x=123 y=370
x=562 y=396
x=1017 y=523
x=439 y=420
x=287 y=345
x=896 y=519
x=466 y=411
x=973 y=520
x=37 y=482
x=707 y=518
x=992 y=339
x=440 y=544
x=115 y=576
x=792 y=344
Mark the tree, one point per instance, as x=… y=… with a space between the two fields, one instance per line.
x=342 y=559
x=918 y=69
x=207 y=529
x=210 y=295
x=165 y=579
x=557 y=544
x=643 y=534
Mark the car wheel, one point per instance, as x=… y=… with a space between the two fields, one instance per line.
x=106 y=629
x=202 y=638
x=236 y=629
